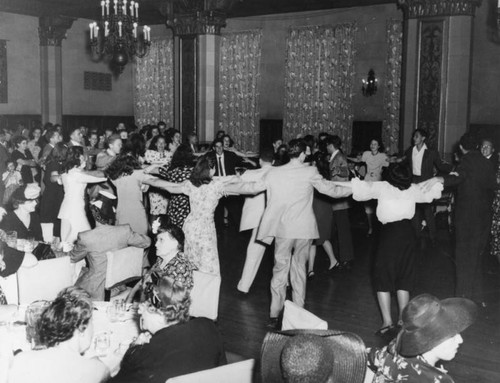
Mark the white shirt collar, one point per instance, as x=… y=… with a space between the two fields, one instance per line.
x=332 y=156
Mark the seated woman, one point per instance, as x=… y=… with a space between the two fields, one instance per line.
x=65 y=329
x=430 y=333
x=171 y=261
x=23 y=219
x=94 y=244
x=171 y=344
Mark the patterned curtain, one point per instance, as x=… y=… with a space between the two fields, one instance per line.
x=239 y=77
x=154 y=85
x=392 y=94
x=319 y=81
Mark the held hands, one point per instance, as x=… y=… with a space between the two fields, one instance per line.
x=426 y=186
x=143 y=338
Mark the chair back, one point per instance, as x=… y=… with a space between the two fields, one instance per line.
x=123 y=265
x=296 y=317
x=44 y=280
x=241 y=372
x=9 y=288
x=205 y=295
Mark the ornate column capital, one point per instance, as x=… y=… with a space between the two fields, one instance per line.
x=52 y=29
x=198 y=23
x=425 y=8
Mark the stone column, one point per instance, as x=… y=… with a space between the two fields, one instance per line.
x=437 y=66
x=52 y=30
x=197 y=57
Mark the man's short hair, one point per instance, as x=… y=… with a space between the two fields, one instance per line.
x=334 y=140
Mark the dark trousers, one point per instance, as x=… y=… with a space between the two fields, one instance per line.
x=423 y=211
x=341 y=236
x=470 y=243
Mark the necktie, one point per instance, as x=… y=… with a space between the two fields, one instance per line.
x=221 y=173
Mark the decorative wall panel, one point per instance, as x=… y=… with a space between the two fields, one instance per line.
x=429 y=86
x=3 y=73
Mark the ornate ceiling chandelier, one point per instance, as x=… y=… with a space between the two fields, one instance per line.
x=117 y=35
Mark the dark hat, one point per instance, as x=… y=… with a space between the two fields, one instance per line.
x=313 y=356
x=398 y=175
x=427 y=322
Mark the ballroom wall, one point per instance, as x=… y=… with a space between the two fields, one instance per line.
x=485 y=106
x=23 y=64
x=23 y=68
x=371 y=53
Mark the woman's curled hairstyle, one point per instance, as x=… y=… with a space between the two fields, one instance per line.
x=201 y=172
x=173 y=300
x=70 y=311
x=73 y=158
x=123 y=165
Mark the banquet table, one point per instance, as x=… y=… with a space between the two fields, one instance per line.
x=119 y=330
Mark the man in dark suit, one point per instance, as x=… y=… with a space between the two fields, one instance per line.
x=422 y=161
x=226 y=163
x=488 y=151
x=475 y=181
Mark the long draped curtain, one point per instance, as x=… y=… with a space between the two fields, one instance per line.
x=154 y=85
x=319 y=81
x=239 y=77
x=390 y=131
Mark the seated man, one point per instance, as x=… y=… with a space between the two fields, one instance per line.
x=171 y=344
x=430 y=333
x=94 y=244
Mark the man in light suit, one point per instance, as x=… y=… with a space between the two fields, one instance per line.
x=94 y=244
x=289 y=220
x=251 y=215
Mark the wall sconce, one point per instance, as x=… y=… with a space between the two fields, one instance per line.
x=370 y=84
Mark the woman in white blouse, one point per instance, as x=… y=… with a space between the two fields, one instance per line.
x=394 y=266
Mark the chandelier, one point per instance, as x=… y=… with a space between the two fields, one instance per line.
x=116 y=36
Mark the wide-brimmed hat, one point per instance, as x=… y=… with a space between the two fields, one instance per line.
x=428 y=321
x=313 y=356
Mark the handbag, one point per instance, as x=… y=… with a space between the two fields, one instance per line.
x=43 y=251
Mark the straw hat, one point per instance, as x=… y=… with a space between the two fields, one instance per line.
x=427 y=322
x=313 y=356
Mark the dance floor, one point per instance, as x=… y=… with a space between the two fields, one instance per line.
x=347 y=302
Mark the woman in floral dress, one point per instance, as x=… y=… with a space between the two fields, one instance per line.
x=159 y=154
x=179 y=171
x=199 y=227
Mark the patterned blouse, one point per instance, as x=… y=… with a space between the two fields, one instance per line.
x=178 y=208
x=392 y=367
x=178 y=268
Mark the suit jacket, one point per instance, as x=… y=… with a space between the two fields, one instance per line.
x=11 y=222
x=254 y=206
x=430 y=159
x=231 y=161
x=94 y=244
x=476 y=182
x=339 y=171
x=289 y=212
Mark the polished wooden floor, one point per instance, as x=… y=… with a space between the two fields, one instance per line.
x=346 y=301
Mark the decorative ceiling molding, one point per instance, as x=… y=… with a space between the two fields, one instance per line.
x=427 y=8
x=52 y=29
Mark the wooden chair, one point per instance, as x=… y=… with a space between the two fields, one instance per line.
x=124 y=265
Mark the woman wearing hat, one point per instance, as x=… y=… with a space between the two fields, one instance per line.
x=23 y=219
x=394 y=266
x=430 y=332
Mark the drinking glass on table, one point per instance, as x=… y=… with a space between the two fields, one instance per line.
x=33 y=313
x=102 y=344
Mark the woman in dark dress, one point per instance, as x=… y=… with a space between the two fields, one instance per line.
x=23 y=157
x=23 y=219
x=54 y=191
x=179 y=171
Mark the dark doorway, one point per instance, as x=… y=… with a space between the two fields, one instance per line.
x=362 y=133
x=270 y=130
